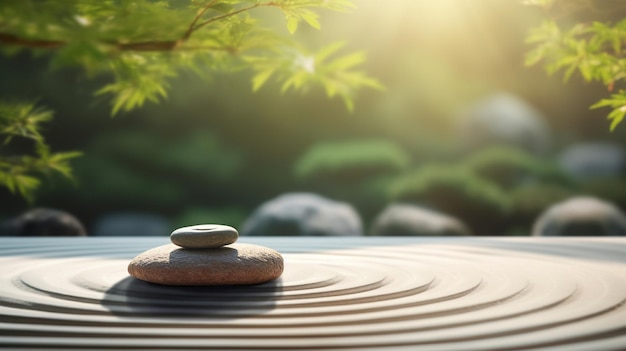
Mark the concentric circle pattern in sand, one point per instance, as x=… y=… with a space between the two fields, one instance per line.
x=335 y=293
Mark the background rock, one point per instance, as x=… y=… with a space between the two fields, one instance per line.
x=584 y=161
x=504 y=118
x=581 y=216
x=303 y=214
x=43 y=222
x=409 y=220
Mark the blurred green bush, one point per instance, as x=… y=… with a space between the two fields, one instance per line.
x=200 y=155
x=350 y=161
x=357 y=171
x=508 y=167
x=456 y=191
x=611 y=189
x=527 y=202
x=141 y=170
x=110 y=180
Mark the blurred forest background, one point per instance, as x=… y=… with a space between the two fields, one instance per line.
x=214 y=152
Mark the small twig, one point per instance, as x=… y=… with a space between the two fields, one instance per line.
x=196 y=19
x=147 y=46
x=226 y=15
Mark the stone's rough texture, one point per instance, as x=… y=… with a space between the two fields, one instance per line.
x=43 y=222
x=581 y=216
x=204 y=236
x=131 y=224
x=303 y=214
x=409 y=220
x=236 y=264
x=505 y=118
x=584 y=161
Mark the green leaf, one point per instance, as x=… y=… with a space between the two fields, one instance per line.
x=347 y=61
x=260 y=78
x=26 y=185
x=547 y=32
x=296 y=81
x=22 y=119
x=325 y=52
x=19 y=173
x=616 y=100
x=617 y=116
x=618 y=103
x=349 y=102
x=310 y=17
x=59 y=162
x=138 y=78
x=534 y=56
x=292 y=24
x=591 y=49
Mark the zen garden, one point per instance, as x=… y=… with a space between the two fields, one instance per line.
x=404 y=175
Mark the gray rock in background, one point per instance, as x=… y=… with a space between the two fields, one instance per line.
x=506 y=119
x=410 y=220
x=581 y=216
x=43 y=222
x=303 y=214
x=131 y=224
x=584 y=161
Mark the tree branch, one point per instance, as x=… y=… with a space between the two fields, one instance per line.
x=226 y=15
x=32 y=43
x=146 y=46
x=163 y=45
x=196 y=19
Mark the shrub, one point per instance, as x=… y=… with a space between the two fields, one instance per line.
x=455 y=191
x=115 y=184
x=351 y=161
x=609 y=189
x=201 y=156
x=508 y=166
x=529 y=201
x=357 y=172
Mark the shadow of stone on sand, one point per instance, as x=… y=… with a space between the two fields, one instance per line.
x=135 y=298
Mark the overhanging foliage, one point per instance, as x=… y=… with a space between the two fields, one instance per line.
x=143 y=43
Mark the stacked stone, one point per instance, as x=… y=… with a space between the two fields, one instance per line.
x=207 y=255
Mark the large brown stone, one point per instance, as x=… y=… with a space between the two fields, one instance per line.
x=236 y=264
